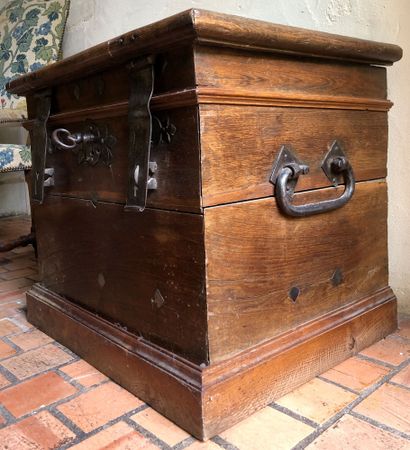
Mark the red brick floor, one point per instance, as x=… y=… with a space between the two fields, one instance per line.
x=51 y=399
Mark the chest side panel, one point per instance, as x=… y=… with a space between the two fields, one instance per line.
x=239 y=145
x=267 y=273
x=260 y=77
x=253 y=103
x=141 y=271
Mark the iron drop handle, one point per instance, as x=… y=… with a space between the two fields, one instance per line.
x=92 y=145
x=287 y=170
x=65 y=140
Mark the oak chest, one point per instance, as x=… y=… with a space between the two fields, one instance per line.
x=210 y=207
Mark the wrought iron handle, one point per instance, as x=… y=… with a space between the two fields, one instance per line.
x=65 y=140
x=288 y=169
x=92 y=145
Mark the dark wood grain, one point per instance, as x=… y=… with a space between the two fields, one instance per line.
x=178 y=173
x=158 y=377
x=21 y=241
x=260 y=381
x=256 y=73
x=206 y=27
x=174 y=71
x=256 y=35
x=239 y=146
x=112 y=262
x=216 y=96
x=255 y=256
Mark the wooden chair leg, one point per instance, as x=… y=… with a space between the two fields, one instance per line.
x=22 y=241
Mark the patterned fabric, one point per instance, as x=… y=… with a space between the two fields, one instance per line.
x=30 y=37
x=14 y=157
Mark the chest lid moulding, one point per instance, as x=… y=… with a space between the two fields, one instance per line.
x=229 y=110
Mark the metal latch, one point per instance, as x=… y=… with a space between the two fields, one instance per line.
x=48 y=177
x=39 y=146
x=141 y=169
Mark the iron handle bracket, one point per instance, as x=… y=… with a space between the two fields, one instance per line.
x=287 y=169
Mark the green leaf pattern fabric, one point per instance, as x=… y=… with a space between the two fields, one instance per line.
x=30 y=37
x=14 y=157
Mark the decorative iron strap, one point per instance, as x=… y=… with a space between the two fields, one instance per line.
x=39 y=144
x=141 y=74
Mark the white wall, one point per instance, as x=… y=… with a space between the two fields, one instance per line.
x=399 y=160
x=94 y=21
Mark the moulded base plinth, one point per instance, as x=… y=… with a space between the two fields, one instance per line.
x=207 y=400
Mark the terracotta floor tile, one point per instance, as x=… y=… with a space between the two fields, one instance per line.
x=12 y=295
x=404 y=327
x=40 y=432
x=99 y=405
x=28 y=250
x=267 y=429
x=17 y=302
x=8 y=327
x=84 y=373
x=157 y=424
x=3 y=381
x=389 y=405
x=355 y=434
x=356 y=373
x=36 y=361
x=13 y=274
x=6 y=350
x=16 y=256
x=18 y=263
x=403 y=377
x=36 y=277
x=209 y=445
x=11 y=309
x=119 y=437
x=21 y=320
x=317 y=400
x=31 y=339
x=392 y=350
x=14 y=284
x=39 y=391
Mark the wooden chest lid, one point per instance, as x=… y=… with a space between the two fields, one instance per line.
x=205 y=27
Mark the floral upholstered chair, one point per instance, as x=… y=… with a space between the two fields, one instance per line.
x=31 y=33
